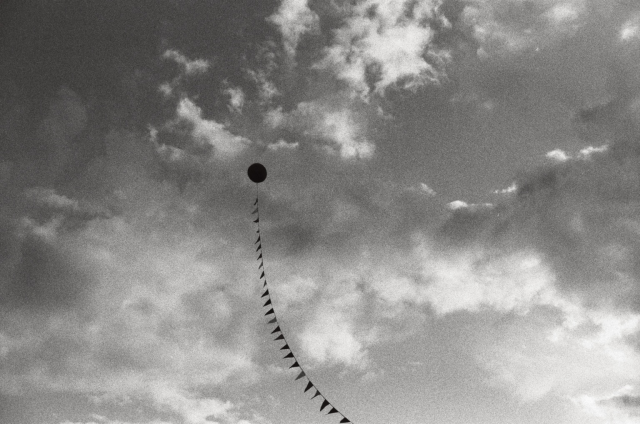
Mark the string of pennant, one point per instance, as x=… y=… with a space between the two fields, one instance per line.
x=273 y=319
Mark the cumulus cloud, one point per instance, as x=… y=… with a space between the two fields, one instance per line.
x=331 y=335
x=192 y=131
x=294 y=18
x=101 y=309
x=383 y=44
x=340 y=129
x=208 y=131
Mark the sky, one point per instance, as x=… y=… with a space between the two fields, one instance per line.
x=450 y=222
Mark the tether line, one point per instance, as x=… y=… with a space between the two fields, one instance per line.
x=266 y=296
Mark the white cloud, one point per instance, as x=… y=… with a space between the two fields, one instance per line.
x=558 y=155
x=428 y=190
x=468 y=281
x=236 y=98
x=331 y=335
x=380 y=37
x=210 y=132
x=460 y=205
x=509 y=190
x=457 y=204
x=524 y=360
x=620 y=407
x=341 y=128
x=193 y=410
x=189 y=67
x=154 y=317
x=587 y=152
x=337 y=126
x=48 y=197
x=294 y=18
x=630 y=29
x=283 y=145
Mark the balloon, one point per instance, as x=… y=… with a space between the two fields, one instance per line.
x=257 y=173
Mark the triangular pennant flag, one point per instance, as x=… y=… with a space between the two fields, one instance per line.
x=276 y=330
x=256 y=202
x=260 y=257
x=265 y=293
x=295 y=365
x=289 y=355
x=270 y=311
x=257 y=240
x=261 y=265
x=280 y=337
x=302 y=374
x=268 y=302
x=265 y=284
x=317 y=394
x=286 y=346
x=345 y=420
x=257 y=220
x=325 y=403
x=262 y=275
x=256 y=211
x=310 y=385
x=333 y=411
x=259 y=247
x=273 y=321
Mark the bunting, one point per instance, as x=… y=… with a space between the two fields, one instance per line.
x=257 y=173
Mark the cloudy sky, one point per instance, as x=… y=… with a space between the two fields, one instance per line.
x=451 y=222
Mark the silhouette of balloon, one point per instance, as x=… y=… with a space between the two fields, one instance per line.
x=257 y=173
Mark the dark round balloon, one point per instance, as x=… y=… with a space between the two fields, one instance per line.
x=257 y=173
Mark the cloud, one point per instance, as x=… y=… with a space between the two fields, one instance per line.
x=192 y=410
x=236 y=98
x=428 y=190
x=557 y=155
x=513 y=188
x=294 y=18
x=385 y=44
x=340 y=129
x=283 y=145
x=189 y=67
x=205 y=133
x=127 y=304
x=514 y=26
x=330 y=335
x=525 y=357
x=457 y=204
x=619 y=407
x=630 y=30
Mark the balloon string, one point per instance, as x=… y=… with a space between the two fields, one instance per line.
x=302 y=374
